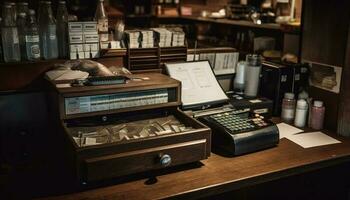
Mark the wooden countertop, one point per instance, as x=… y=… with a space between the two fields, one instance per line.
x=220 y=174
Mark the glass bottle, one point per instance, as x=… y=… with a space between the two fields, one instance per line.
x=102 y=21
x=62 y=32
x=317 y=115
x=9 y=35
x=22 y=7
x=32 y=43
x=47 y=30
x=21 y=24
x=288 y=108
x=14 y=11
x=252 y=75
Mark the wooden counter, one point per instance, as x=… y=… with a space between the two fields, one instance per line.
x=220 y=174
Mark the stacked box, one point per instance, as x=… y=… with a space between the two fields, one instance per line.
x=163 y=37
x=147 y=39
x=83 y=40
x=178 y=38
x=133 y=38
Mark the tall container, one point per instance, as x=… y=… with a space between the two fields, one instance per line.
x=288 y=108
x=62 y=29
x=9 y=35
x=317 y=115
x=102 y=21
x=238 y=83
x=32 y=41
x=301 y=113
x=21 y=25
x=252 y=75
x=47 y=30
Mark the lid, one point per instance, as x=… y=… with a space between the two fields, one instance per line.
x=253 y=60
x=241 y=63
x=22 y=14
x=23 y=3
x=12 y=3
x=62 y=2
x=31 y=12
x=303 y=95
x=318 y=103
x=301 y=103
x=289 y=95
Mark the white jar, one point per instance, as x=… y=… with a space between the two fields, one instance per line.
x=301 y=113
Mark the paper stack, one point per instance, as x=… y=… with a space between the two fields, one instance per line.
x=178 y=38
x=163 y=37
x=146 y=39
x=133 y=38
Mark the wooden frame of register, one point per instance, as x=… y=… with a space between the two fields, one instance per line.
x=114 y=159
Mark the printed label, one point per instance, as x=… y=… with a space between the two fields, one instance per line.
x=32 y=38
x=15 y=36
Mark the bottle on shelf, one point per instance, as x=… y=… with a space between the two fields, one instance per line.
x=62 y=29
x=14 y=11
x=1 y=52
x=288 y=108
x=21 y=24
x=32 y=41
x=301 y=113
x=317 y=115
x=102 y=21
x=252 y=75
x=47 y=30
x=238 y=83
x=9 y=35
x=22 y=7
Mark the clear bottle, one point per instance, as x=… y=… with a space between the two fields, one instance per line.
x=288 y=108
x=252 y=75
x=62 y=29
x=1 y=53
x=9 y=35
x=21 y=25
x=317 y=115
x=301 y=113
x=47 y=30
x=32 y=41
x=22 y=7
x=102 y=21
x=14 y=11
x=238 y=83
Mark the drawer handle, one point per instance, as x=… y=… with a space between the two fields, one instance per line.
x=165 y=160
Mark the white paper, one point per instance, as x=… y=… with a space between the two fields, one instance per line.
x=199 y=85
x=313 y=139
x=287 y=130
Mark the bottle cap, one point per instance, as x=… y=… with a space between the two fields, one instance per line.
x=289 y=95
x=318 y=103
x=303 y=95
x=62 y=2
x=253 y=60
x=31 y=12
x=22 y=14
x=23 y=3
x=301 y=103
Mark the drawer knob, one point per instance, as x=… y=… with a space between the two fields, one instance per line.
x=165 y=160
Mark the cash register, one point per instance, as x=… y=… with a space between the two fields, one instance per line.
x=236 y=131
x=117 y=129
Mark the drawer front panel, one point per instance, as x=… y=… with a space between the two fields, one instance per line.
x=142 y=160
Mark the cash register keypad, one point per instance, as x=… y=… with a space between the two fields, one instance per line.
x=237 y=123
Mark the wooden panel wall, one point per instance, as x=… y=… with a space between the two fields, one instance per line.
x=344 y=103
x=324 y=39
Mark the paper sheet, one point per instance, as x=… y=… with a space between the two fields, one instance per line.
x=199 y=85
x=313 y=139
x=287 y=130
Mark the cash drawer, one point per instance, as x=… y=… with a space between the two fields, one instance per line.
x=145 y=159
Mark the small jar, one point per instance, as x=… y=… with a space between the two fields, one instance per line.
x=301 y=113
x=238 y=83
x=317 y=115
x=288 y=108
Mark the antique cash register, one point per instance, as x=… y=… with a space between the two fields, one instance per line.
x=120 y=129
